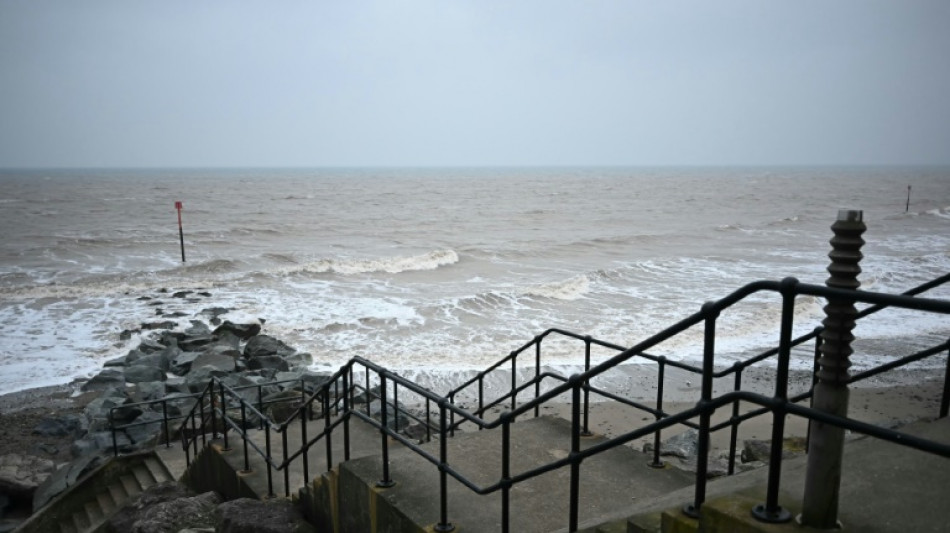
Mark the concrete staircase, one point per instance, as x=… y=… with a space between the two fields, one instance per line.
x=87 y=505
x=885 y=487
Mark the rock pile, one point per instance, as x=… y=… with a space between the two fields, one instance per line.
x=171 y=507
x=160 y=377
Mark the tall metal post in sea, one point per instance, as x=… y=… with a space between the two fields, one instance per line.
x=826 y=442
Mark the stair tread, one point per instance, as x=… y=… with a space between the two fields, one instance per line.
x=94 y=511
x=143 y=476
x=106 y=502
x=118 y=493
x=156 y=469
x=81 y=520
x=131 y=485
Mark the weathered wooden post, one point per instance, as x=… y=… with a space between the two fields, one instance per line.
x=826 y=442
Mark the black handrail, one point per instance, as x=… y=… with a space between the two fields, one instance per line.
x=780 y=405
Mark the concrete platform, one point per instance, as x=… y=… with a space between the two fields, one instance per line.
x=609 y=483
x=884 y=488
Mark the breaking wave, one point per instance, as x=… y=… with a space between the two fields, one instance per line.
x=391 y=265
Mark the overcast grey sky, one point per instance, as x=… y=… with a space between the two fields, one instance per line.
x=419 y=83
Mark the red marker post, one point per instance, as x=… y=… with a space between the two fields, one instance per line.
x=181 y=234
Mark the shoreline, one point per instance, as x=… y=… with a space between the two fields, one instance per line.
x=891 y=400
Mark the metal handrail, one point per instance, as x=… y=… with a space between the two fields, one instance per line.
x=780 y=405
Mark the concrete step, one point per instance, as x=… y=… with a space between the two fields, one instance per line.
x=610 y=483
x=98 y=501
x=364 y=440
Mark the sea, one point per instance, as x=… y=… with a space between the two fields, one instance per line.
x=444 y=271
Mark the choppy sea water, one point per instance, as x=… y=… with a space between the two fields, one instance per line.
x=447 y=270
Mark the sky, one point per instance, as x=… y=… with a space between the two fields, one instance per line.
x=473 y=83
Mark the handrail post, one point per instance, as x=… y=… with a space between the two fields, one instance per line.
x=260 y=403
x=514 y=381
x=305 y=444
x=168 y=442
x=327 y=433
x=429 y=420
x=270 y=459
x=575 y=450
x=505 y=473
x=702 y=458
x=224 y=426
x=481 y=398
x=395 y=405
x=945 y=399
x=384 y=416
x=826 y=442
x=115 y=443
x=814 y=381
x=734 y=430
x=661 y=372
x=347 y=375
x=451 y=415
x=444 y=526
x=586 y=429
x=247 y=463
x=284 y=465
x=537 y=373
x=772 y=512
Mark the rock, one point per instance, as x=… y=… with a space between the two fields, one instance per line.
x=176 y=384
x=150 y=346
x=146 y=429
x=147 y=391
x=170 y=338
x=245 y=515
x=107 y=379
x=217 y=360
x=100 y=442
x=281 y=405
x=227 y=338
x=97 y=411
x=158 y=360
x=754 y=450
x=118 y=361
x=63 y=478
x=395 y=418
x=139 y=373
x=126 y=334
x=173 y=516
x=242 y=331
x=303 y=359
x=684 y=445
x=181 y=364
x=416 y=432
x=182 y=294
x=273 y=362
x=198 y=329
x=58 y=426
x=165 y=324
x=264 y=345
x=165 y=491
x=21 y=474
x=214 y=312
x=193 y=344
x=197 y=380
